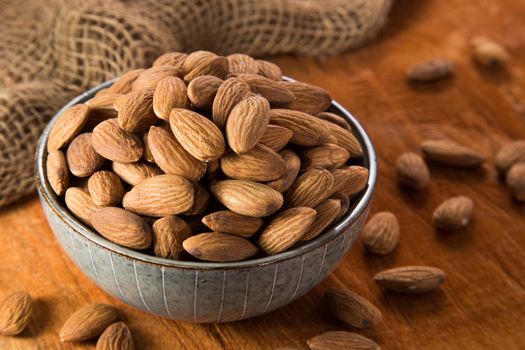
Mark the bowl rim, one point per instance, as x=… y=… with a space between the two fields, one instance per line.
x=355 y=211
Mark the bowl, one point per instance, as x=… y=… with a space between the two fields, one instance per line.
x=200 y=291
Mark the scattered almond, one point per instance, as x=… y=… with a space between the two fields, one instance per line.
x=68 y=126
x=327 y=211
x=352 y=308
x=451 y=153
x=105 y=188
x=226 y=221
x=116 y=337
x=219 y=247
x=15 y=313
x=509 y=155
x=516 y=181
x=340 y=340
x=488 y=53
x=168 y=234
x=57 y=172
x=454 y=213
x=88 y=322
x=412 y=171
x=411 y=279
x=310 y=189
x=381 y=234
x=430 y=71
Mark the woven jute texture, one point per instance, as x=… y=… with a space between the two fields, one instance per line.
x=52 y=50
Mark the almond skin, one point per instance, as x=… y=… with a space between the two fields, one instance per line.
x=68 y=126
x=273 y=91
x=350 y=180
x=339 y=340
x=310 y=189
x=226 y=221
x=79 y=202
x=293 y=164
x=287 y=228
x=516 y=181
x=327 y=211
x=247 y=197
x=307 y=130
x=88 y=322
x=57 y=172
x=269 y=70
x=230 y=93
x=412 y=171
x=116 y=337
x=381 y=234
x=15 y=313
x=411 y=279
x=197 y=134
x=247 y=123
x=352 y=308
x=202 y=91
x=219 y=247
x=261 y=163
x=345 y=139
x=171 y=157
x=150 y=77
x=328 y=156
x=168 y=234
x=82 y=158
x=453 y=214
x=241 y=64
x=133 y=173
x=121 y=227
x=170 y=93
x=173 y=59
x=276 y=137
x=124 y=84
x=344 y=202
x=335 y=119
x=161 y=195
x=105 y=188
x=509 y=155
x=136 y=111
x=308 y=98
x=115 y=144
x=430 y=71
x=451 y=153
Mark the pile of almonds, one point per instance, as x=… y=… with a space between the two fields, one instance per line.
x=213 y=156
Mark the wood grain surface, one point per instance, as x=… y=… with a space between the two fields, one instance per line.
x=482 y=304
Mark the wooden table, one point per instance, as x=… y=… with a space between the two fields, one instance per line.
x=482 y=304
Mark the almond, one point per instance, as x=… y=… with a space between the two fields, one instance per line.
x=335 y=119
x=328 y=156
x=197 y=58
x=430 y=71
x=168 y=234
x=269 y=70
x=327 y=211
x=454 y=213
x=310 y=189
x=161 y=195
x=133 y=173
x=272 y=90
x=146 y=153
x=345 y=139
x=246 y=197
x=150 y=77
x=308 y=98
x=219 y=247
x=488 y=53
x=226 y=221
x=124 y=84
x=247 y=123
x=287 y=228
x=411 y=279
x=197 y=134
x=57 y=172
x=213 y=170
x=307 y=130
x=240 y=64
x=68 y=125
x=516 y=181
x=276 y=137
x=82 y=158
x=122 y=227
x=202 y=91
x=352 y=308
x=79 y=202
x=116 y=337
x=230 y=93
x=202 y=198
x=339 y=340
x=136 y=112
x=350 y=180
x=173 y=59
x=105 y=188
x=205 y=65
x=171 y=157
x=115 y=144
x=509 y=155
x=412 y=171
x=261 y=163
x=170 y=93
x=344 y=202
x=451 y=153
x=103 y=104
x=381 y=234
x=15 y=313
x=293 y=164
x=88 y=322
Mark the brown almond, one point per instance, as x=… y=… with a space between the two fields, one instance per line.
x=216 y=66
x=489 y=53
x=197 y=134
x=287 y=228
x=345 y=139
x=88 y=322
x=136 y=112
x=339 y=340
x=247 y=123
x=105 y=188
x=344 y=202
x=161 y=195
x=79 y=202
x=293 y=164
x=247 y=197
x=241 y=64
x=15 y=313
x=335 y=119
x=327 y=211
x=150 y=77
x=202 y=91
x=57 y=172
x=352 y=308
x=412 y=170
x=170 y=93
x=307 y=130
x=308 y=98
x=146 y=153
x=261 y=163
x=124 y=84
x=103 y=105
x=226 y=221
x=171 y=157
x=430 y=71
x=328 y=156
x=381 y=233
x=133 y=173
x=276 y=137
x=411 y=279
x=173 y=59
x=197 y=58
x=451 y=153
x=516 y=181
x=273 y=91
x=168 y=234
x=454 y=213
x=310 y=189
x=219 y=247
x=230 y=93
x=115 y=144
x=213 y=170
x=350 y=180
x=82 y=159
x=202 y=198
x=68 y=125
x=116 y=337
x=509 y=155
x=269 y=70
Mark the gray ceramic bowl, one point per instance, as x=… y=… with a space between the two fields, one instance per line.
x=201 y=291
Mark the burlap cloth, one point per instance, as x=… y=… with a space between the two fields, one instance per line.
x=52 y=50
